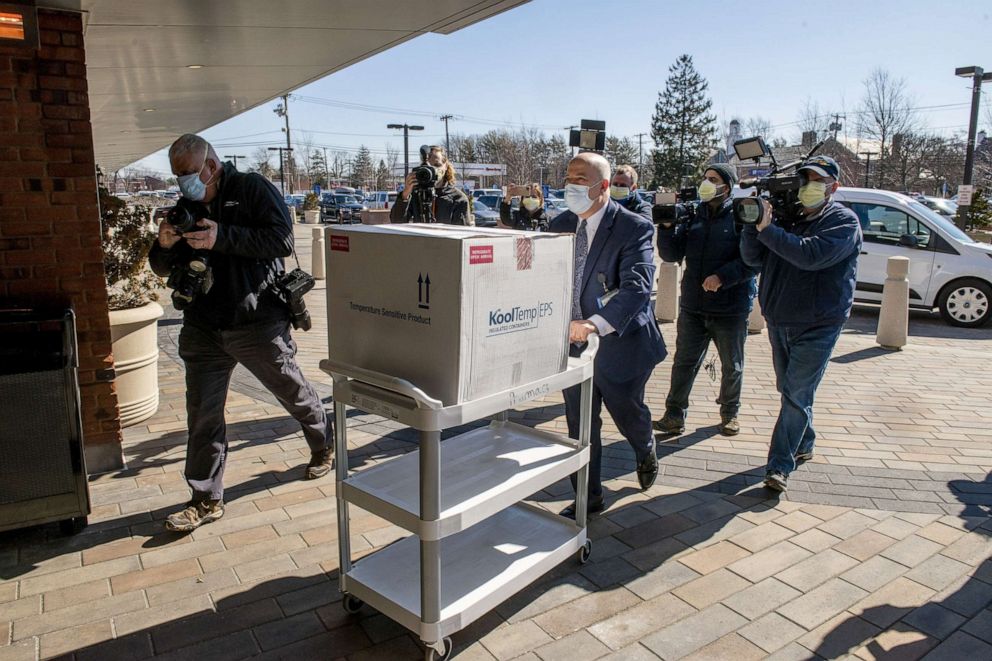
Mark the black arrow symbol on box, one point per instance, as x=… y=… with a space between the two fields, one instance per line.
x=421 y=281
x=420 y=288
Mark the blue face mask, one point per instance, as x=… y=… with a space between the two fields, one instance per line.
x=192 y=186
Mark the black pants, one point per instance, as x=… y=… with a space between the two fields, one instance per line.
x=268 y=351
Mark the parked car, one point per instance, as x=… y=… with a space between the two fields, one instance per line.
x=294 y=200
x=948 y=270
x=491 y=201
x=485 y=215
x=554 y=206
x=944 y=207
x=340 y=208
x=381 y=199
x=487 y=192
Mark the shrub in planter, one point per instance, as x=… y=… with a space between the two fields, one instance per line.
x=128 y=234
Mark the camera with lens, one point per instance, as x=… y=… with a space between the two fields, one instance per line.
x=192 y=277
x=675 y=208
x=780 y=187
x=290 y=288
x=424 y=190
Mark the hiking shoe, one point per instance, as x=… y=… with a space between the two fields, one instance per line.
x=669 y=425
x=804 y=456
x=195 y=515
x=776 y=481
x=320 y=463
x=730 y=427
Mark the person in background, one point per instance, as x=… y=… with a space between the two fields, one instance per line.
x=623 y=190
x=450 y=204
x=530 y=215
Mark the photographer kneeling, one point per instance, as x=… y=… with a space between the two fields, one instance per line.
x=808 y=268
x=717 y=291
x=530 y=215
x=239 y=226
x=437 y=200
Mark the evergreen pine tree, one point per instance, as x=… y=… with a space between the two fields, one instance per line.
x=362 y=169
x=683 y=130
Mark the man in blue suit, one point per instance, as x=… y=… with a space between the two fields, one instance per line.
x=614 y=269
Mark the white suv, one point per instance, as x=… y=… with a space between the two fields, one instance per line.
x=948 y=270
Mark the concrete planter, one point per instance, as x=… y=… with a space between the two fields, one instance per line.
x=134 y=334
x=311 y=216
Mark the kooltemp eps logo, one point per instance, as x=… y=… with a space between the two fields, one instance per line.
x=518 y=318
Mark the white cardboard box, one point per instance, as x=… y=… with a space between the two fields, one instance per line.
x=460 y=312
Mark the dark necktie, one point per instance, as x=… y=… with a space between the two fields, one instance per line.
x=581 y=250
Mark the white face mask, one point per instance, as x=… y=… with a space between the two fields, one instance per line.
x=530 y=203
x=191 y=185
x=577 y=198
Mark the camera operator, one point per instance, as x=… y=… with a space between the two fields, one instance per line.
x=450 y=204
x=717 y=290
x=247 y=233
x=530 y=215
x=808 y=272
x=623 y=190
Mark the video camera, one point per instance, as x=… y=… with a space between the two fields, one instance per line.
x=779 y=187
x=194 y=277
x=425 y=190
x=675 y=208
x=290 y=288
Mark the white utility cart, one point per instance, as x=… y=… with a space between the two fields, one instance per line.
x=474 y=542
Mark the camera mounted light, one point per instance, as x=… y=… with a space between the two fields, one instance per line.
x=750 y=148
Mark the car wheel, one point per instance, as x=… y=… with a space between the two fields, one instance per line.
x=966 y=303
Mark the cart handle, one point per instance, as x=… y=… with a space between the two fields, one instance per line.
x=592 y=347
x=384 y=381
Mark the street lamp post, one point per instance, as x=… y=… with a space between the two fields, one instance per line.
x=977 y=75
x=406 y=143
x=867 y=155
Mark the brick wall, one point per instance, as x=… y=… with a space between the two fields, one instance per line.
x=50 y=251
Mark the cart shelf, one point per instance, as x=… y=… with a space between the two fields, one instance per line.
x=484 y=470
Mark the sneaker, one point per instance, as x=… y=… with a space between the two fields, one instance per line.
x=776 y=481
x=804 y=456
x=320 y=463
x=669 y=425
x=730 y=427
x=195 y=515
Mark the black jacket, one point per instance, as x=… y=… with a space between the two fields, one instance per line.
x=521 y=219
x=254 y=233
x=710 y=246
x=637 y=204
x=450 y=207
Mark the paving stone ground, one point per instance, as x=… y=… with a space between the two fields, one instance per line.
x=880 y=549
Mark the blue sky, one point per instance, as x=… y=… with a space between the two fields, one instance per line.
x=550 y=63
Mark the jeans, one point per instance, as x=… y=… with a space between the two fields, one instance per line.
x=268 y=351
x=800 y=357
x=695 y=331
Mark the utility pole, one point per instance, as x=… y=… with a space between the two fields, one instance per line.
x=977 y=75
x=447 y=143
x=282 y=110
x=235 y=157
x=406 y=143
x=640 y=154
x=282 y=169
x=836 y=125
x=868 y=155
x=327 y=177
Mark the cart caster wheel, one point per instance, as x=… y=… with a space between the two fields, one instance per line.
x=585 y=552
x=72 y=526
x=352 y=604
x=434 y=655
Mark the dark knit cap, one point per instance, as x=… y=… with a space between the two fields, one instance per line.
x=726 y=171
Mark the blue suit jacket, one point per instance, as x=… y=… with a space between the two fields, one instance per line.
x=621 y=257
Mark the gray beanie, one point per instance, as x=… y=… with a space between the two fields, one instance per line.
x=726 y=171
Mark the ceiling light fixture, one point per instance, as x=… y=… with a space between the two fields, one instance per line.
x=194 y=66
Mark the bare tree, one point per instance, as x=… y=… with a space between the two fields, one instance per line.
x=886 y=110
x=812 y=118
x=260 y=163
x=305 y=151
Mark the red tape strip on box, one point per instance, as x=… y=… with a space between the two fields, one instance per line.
x=525 y=254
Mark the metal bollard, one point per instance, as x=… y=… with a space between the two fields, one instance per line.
x=666 y=307
x=317 y=253
x=893 y=319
